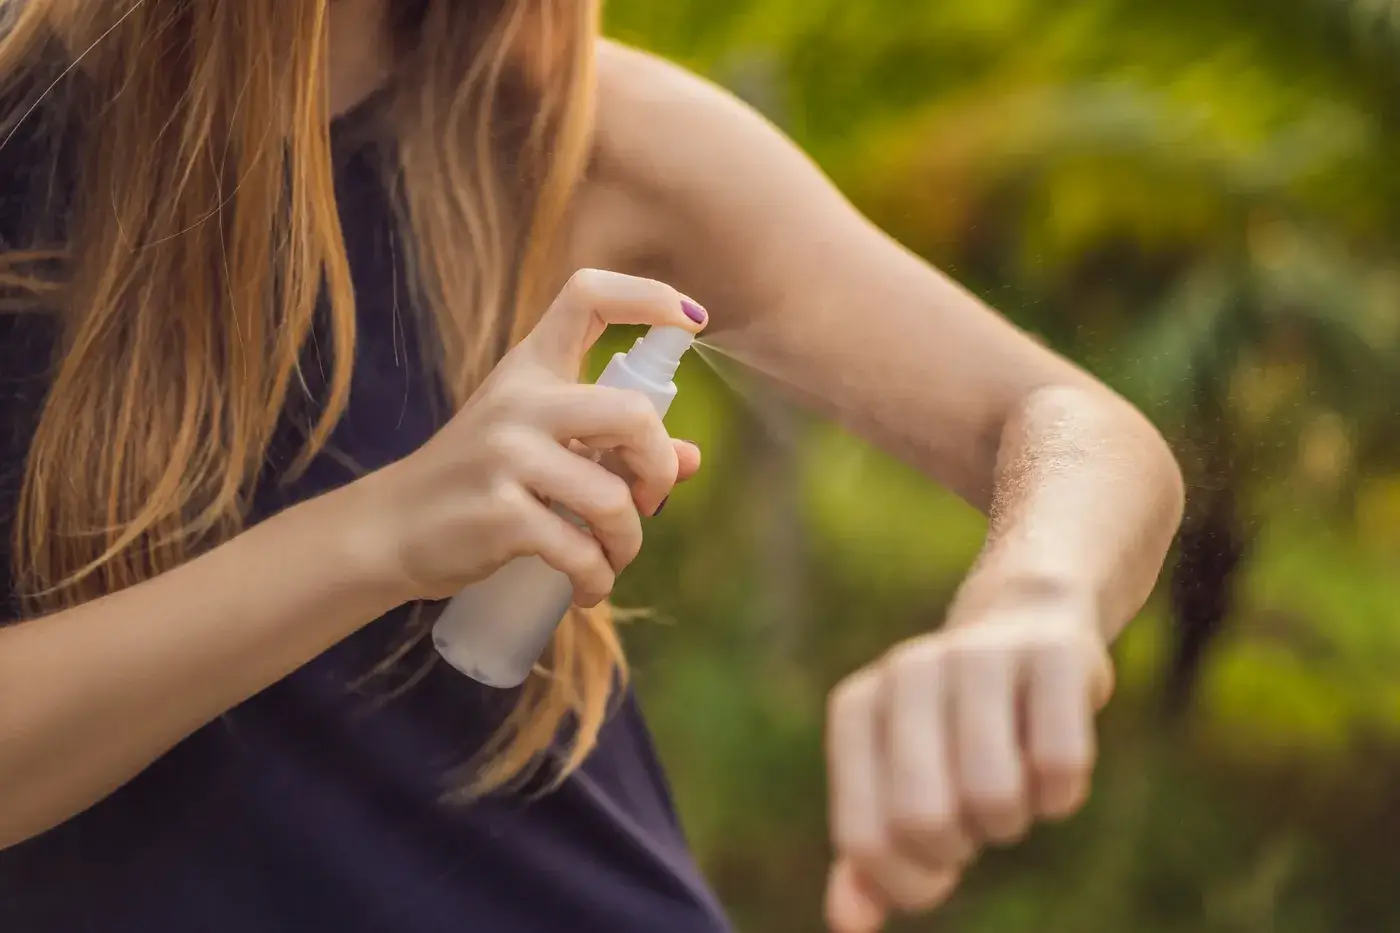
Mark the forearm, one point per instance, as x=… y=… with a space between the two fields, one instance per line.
x=1087 y=500
x=90 y=696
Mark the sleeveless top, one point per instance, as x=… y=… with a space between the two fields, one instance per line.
x=316 y=807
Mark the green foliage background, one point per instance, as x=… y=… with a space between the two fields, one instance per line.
x=1198 y=200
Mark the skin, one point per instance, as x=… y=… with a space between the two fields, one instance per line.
x=950 y=742
x=964 y=737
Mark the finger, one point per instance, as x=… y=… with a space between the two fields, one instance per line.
x=924 y=814
x=688 y=457
x=853 y=750
x=906 y=885
x=593 y=299
x=855 y=904
x=619 y=421
x=1060 y=745
x=562 y=545
x=600 y=499
x=688 y=460
x=852 y=905
x=991 y=775
x=859 y=818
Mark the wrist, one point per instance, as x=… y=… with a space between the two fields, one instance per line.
x=989 y=592
x=360 y=529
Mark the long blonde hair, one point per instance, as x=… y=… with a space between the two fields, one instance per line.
x=202 y=231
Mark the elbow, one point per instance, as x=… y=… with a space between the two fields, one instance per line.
x=1154 y=461
x=1172 y=484
x=1093 y=423
x=1107 y=475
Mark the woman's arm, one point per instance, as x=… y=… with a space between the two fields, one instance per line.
x=90 y=696
x=964 y=736
x=807 y=291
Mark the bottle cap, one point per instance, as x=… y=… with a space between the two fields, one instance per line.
x=658 y=353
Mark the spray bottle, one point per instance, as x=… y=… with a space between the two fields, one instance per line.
x=495 y=630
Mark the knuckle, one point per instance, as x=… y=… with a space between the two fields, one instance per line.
x=867 y=850
x=914 y=660
x=975 y=642
x=1061 y=764
x=504 y=513
x=625 y=550
x=996 y=806
x=975 y=655
x=625 y=539
x=852 y=695
x=583 y=286
x=598 y=578
x=636 y=412
x=663 y=291
x=993 y=799
x=506 y=397
x=489 y=412
x=925 y=831
x=506 y=498
x=505 y=443
x=631 y=549
x=586 y=562
x=615 y=499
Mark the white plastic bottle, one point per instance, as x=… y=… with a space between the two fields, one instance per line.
x=495 y=631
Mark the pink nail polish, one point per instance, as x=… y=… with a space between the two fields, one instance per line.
x=694 y=311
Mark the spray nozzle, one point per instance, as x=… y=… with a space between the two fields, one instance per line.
x=658 y=352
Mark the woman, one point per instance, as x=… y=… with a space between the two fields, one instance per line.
x=217 y=712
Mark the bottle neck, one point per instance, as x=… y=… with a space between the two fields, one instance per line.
x=657 y=354
x=653 y=367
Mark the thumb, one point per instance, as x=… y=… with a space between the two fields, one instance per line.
x=852 y=904
x=594 y=299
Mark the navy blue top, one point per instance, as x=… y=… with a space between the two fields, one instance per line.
x=314 y=807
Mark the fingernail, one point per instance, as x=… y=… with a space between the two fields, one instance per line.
x=661 y=506
x=694 y=311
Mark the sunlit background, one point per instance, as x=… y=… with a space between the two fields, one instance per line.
x=1199 y=200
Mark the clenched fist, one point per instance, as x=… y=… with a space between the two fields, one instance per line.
x=954 y=741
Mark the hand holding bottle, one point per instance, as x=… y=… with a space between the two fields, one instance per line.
x=474 y=498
